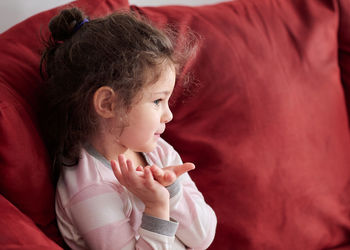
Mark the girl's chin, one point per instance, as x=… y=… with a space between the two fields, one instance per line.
x=151 y=146
x=146 y=145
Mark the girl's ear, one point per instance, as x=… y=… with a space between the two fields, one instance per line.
x=104 y=102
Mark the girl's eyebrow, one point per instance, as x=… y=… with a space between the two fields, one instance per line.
x=162 y=92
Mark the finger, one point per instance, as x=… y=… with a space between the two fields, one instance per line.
x=139 y=171
x=122 y=165
x=148 y=177
x=139 y=168
x=115 y=168
x=130 y=166
x=148 y=173
x=169 y=177
x=157 y=172
x=116 y=171
x=181 y=169
x=131 y=170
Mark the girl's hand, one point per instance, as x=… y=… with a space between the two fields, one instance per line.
x=149 y=191
x=168 y=175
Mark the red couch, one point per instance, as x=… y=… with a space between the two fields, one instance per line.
x=267 y=125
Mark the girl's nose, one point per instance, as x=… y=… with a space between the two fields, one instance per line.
x=167 y=115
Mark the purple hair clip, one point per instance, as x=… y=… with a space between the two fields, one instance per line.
x=77 y=27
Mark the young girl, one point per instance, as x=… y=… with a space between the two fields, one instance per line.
x=120 y=185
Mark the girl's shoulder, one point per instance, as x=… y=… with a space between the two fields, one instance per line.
x=89 y=172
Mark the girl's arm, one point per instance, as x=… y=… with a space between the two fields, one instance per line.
x=197 y=220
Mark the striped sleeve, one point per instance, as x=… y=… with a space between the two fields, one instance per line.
x=197 y=220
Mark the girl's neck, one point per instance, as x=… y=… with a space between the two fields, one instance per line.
x=109 y=147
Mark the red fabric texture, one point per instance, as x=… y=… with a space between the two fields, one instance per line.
x=268 y=126
x=19 y=232
x=24 y=163
x=344 y=47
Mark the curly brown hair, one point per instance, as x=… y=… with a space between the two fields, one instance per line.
x=119 y=51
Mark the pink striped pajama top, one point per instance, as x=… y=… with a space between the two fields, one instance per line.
x=95 y=212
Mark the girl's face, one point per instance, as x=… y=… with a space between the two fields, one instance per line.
x=148 y=116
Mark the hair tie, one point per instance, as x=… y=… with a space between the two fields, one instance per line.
x=80 y=24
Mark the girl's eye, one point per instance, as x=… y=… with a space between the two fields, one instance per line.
x=156 y=102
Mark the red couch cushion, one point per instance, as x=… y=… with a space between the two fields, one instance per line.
x=268 y=127
x=21 y=232
x=24 y=167
x=344 y=47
